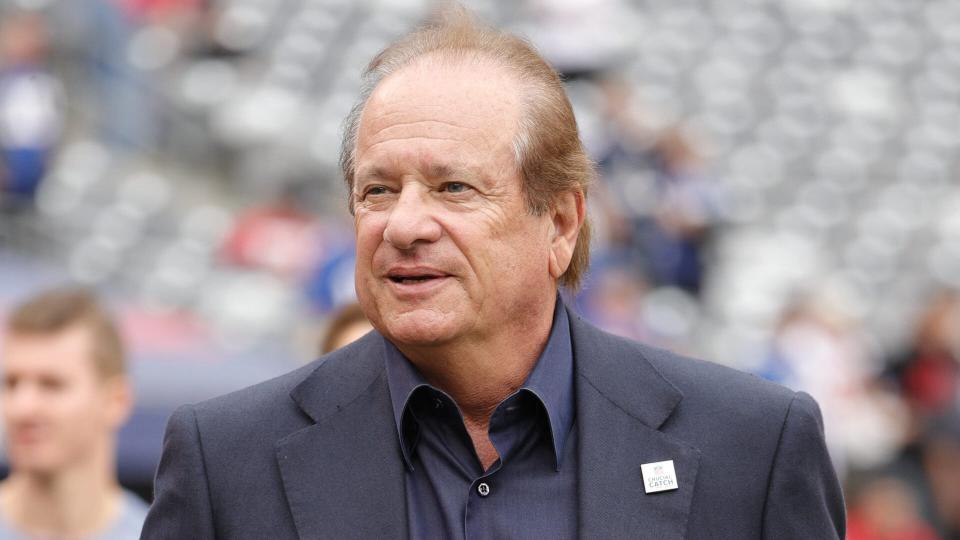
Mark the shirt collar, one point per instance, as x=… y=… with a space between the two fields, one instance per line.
x=551 y=381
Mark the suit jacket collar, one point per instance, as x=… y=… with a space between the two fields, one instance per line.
x=344 y=475
x=551 y=381
x=622 y=402
x=613 y=367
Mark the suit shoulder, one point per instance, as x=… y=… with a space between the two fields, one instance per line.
x=724 y=408
x=708 y=388
x=710 y=378
x=258 y=396
x=272 y=397
x=717 y=395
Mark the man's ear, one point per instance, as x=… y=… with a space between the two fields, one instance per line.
x=118 y=396
x=569 y=211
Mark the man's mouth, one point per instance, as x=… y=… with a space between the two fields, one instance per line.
x=25 y=435
x=409 y=279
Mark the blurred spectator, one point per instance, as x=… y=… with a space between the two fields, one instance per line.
x=613 y=298
x=347 y=325
x=941 y=463
x=928 y=371
x=331 y=283
x=279 y=236
x=580 y=36
x=817 y=349
x=658 y=194
x=127 y=44
x=884 y=508
x=161 y=11
x=65 y=396
x=930 y=465
x=30 y=115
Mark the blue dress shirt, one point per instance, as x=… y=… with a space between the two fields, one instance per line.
x=530 y=491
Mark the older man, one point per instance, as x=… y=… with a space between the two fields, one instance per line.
x=481 y=407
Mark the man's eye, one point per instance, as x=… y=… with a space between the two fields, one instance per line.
x=455 y=187
x=375 y=190
x=52 y=383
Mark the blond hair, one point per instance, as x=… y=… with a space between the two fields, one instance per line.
x=57 y=310
x=342 y=320
x=550 y=157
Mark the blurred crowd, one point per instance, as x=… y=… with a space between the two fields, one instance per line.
x=761 y=203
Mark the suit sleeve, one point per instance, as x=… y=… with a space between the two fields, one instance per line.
x=803 y=496
x=181 y=507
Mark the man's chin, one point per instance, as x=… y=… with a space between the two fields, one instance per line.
x=35 y=464
x=419 y=328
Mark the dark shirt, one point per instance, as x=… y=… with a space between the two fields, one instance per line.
x=530 y=491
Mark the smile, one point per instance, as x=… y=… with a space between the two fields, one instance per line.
x=416 y=283
x=413 y=279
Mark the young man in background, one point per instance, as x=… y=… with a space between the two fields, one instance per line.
x=65 y=395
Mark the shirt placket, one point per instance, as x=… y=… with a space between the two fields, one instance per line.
x=507 y=429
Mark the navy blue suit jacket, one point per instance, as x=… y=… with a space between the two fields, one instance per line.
x=315 y=453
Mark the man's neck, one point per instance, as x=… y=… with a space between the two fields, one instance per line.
x=73 y=503
x=480 y=375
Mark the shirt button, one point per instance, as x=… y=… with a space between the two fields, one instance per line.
x=483 y=489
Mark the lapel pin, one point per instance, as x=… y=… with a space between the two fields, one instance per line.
x=659 y=476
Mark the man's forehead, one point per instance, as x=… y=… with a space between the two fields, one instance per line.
x=432 y=169
x=471 y=88
x=67 y=350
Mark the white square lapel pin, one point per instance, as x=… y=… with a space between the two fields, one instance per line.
x=659 y=476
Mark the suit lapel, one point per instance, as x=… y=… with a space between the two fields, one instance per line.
x=622 y=401
x=344 y=475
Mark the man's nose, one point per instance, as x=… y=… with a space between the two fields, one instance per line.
x=20 y=402
x=411 y=219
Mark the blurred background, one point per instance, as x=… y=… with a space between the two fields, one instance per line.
x=779 y=193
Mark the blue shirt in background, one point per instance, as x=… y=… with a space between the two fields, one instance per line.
x=126 y=526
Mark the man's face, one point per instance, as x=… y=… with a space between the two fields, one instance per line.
x=446 y=249
x=57 y=410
